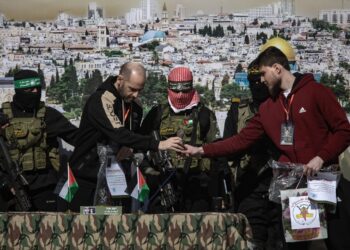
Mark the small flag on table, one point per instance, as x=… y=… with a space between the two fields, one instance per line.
x=70 y=187
x=141 y=190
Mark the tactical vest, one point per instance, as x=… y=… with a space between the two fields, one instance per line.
x=170 y=124
x=245 y=113
x=252 y=161
x=27 y=140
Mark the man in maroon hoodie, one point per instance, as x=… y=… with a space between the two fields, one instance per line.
x=305 y=122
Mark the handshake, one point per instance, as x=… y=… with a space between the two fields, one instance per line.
x=176 y=144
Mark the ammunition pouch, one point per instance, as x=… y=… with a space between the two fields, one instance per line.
x=27 y=140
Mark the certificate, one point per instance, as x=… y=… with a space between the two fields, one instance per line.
x=322 y=188
x=116 y=181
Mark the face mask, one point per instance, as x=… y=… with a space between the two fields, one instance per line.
x=28 y=101
x=181 y=99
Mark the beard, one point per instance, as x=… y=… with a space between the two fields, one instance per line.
x=275 y=89
x=122 y=93
x=260 y=92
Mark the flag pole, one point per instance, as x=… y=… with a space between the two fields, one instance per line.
x=138 y=188
x=68 y=181
x=68 y=186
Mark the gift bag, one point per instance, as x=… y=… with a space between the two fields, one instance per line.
x=302 y=219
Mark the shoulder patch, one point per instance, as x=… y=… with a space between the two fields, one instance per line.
x=108 y=100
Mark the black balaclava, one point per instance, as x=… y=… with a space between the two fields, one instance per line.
x=24 y=80
x=259 y=90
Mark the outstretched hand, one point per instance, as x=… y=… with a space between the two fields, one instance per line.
x=173 y=143
x=193 y=151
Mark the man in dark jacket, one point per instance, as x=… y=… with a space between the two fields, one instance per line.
x=318 y=127
x=32 y=133
x=111 y=116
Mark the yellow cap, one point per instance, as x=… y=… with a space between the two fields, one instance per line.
x=235 y=99
x=282 y=45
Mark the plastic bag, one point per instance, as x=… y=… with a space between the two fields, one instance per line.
x=303 y=219
x=102 y=194
x=286 y=175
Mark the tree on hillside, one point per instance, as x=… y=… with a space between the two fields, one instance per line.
x=52 y=81
x=66 y=90
x=207 y=96
x=12 y=72
x=337 y=84
x=91 y=84
x=42 y=77
x=246 y=39
x=239 y=68
x=229 y=91
x=57 y=76
x=225 y=79
x=155 y=90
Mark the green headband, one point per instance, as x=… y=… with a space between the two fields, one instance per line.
x=180 y=86
x=27 y=83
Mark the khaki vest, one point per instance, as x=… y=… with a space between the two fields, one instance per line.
x=27 y=140
x=170 y=125
x=253 y=162
x=245 y=113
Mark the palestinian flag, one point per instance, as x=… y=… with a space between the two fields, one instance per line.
x=141 y=189
x=70 y=187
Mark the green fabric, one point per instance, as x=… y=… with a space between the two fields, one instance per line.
x=27 y=83
x=127 y=231
x=27 y=137
x=172 y=123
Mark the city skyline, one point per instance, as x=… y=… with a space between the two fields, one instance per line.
x=16 y=9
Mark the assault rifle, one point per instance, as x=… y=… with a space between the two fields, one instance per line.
x=15 y=180
x=167 y=171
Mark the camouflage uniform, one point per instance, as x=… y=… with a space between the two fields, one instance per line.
x=195 y=188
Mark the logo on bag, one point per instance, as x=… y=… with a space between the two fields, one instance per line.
x=303 y=212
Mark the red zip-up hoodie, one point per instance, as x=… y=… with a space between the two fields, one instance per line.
x=321 y=127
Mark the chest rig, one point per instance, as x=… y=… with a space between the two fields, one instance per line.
x=255 y=160
x=27 y=140
x=183 y=126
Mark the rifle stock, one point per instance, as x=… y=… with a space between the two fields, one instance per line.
x=16 y=180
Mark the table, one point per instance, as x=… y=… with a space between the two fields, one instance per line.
x=40 y=230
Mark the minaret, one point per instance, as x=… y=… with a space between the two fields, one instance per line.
x=102 y=35
x=293 y=7
x=164 y=15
